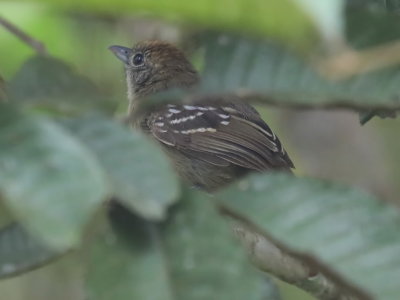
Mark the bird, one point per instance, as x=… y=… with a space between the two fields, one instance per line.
x=211 y=141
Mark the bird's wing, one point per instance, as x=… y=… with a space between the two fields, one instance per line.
x=220 y=134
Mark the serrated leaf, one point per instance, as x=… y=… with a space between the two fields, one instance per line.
x=192 y=257
x=276 y=75
x=347 y=229
x=20 y=252
x=49 y=181
x=139 y=171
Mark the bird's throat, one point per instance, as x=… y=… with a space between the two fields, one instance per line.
x=130 y=93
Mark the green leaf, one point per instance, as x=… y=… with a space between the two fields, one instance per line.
x=263 y=18
x=347 y=229
x=190 y=257
x=49 y=181
x=139 y=171
x=368 y=115
x=271 y=74
x=125 y=266
x=205 y=261
x=20 y=252
x=51 y=82
x=372 y=22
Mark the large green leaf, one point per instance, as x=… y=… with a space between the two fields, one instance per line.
x=49 y=181
x=264 y=18
x=191 y=257
x=48 y=81
x=347 y=229
x=275 y=75
x=138 y=169
x=20 y=252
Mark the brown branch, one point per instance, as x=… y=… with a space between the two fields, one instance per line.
x=295 y=268
x=352 y=62
x=38 y=46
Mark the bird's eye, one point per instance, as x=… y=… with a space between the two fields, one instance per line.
x=138 y=59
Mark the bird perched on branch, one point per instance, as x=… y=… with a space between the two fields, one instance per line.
x=212 y=141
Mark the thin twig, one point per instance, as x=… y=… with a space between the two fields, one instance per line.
x=38 y=46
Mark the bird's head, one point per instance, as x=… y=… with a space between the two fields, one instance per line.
x=154 y=66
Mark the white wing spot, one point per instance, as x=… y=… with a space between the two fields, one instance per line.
x=201 y=129
x=184 y=119
x=224 y=122
x=177 y=121
x=160 y=124
x=190 y=107
x=223 y=116
x=174 y=111
x=202 y=108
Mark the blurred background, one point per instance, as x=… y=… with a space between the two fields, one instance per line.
x=329 y=144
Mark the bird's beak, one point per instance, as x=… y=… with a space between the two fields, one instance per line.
x=123 y=53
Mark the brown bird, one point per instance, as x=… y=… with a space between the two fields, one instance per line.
x=212 y=141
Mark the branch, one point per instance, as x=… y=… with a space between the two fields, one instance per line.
x=24 y=37
x=336 y=103
x=269 y=256
x=352 y=62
